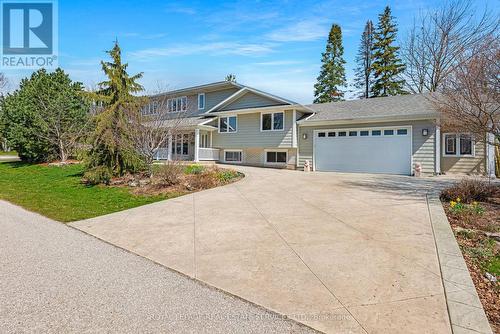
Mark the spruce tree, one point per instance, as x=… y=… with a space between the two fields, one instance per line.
x=112 y=151
x=364 y=73
x=387 y=65
x=332 y=75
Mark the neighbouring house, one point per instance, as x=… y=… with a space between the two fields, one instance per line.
x=232 y=123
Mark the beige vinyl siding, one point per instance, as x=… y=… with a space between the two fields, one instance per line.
x=251 y=100
x=465 y=165
x=423 y=146
x=249 y=135
x=211 y=100
x=256 y=156
x=214 y=98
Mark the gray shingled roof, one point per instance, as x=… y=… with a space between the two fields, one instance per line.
x=403 y=106
x=180 y=122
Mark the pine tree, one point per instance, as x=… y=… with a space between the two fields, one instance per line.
x=119 y=86
x=364 y=73
x=332 y=75
x=230 y=77
x=112 y=152
x=386 y=65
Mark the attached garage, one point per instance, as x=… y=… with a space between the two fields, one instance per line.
x=386 y=150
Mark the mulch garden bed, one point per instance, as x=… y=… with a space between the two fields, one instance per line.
x=481 y=252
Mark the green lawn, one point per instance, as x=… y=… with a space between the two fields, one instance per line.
x=8 y=153
x=57 y=192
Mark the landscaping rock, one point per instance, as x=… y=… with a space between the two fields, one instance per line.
x=490 y=277
x=495 y=236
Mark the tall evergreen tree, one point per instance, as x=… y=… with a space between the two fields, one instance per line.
x=332 y=75
x=364 y=72
x=387 y=66
x=112 y=150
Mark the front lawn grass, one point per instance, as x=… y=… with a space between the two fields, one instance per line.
x=10 y=153
x=57 y=192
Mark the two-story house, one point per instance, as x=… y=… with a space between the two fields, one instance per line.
x=232 y=123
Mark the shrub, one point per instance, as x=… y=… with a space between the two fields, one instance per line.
x=170 y=174
x=469 y=190
x=206 y=180
x=194 y=169
x=97 y=175
x=226 y=175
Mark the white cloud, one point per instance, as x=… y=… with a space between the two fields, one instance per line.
x=142 y=36
x=215 y=48
x=303 y=31
x=177 y=8
x=278 y=63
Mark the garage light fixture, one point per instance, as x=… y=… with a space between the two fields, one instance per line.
x=425 y=132
x=304 y=136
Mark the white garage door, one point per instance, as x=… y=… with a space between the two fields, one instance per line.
x=368 y=150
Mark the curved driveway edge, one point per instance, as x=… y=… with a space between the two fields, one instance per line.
x=464 y=306
x=342 y=253
x=56 y=279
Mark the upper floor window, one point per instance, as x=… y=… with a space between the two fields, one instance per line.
x=456 y=144
x=201 y=101
x=272 y=121
x=228 y=124
x=177 y=104
x=150 y=108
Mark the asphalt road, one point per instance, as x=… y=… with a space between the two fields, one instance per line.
x=55 y=279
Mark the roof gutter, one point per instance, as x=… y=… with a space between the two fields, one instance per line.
x=422 y=117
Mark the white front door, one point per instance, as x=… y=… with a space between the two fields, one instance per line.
x=369 y=150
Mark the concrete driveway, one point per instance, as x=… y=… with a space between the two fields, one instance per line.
x=343 y=253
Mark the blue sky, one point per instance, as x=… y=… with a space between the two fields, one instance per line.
x=271 y=45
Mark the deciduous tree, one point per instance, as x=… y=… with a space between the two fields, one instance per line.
x=45 y=117
x=440 y=40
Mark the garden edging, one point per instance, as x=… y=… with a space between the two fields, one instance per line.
x=464 y=306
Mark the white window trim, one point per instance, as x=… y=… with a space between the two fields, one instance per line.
x=204 y=101
x=275 y=150
x=224 y=132
x=457 y=145
x=169 y=101
x=233 y=150
x=272 y=121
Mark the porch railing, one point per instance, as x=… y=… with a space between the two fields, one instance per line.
x=208 y=154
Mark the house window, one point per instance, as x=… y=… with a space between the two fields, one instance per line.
x=465 y=145
x=353 y=133
x=227 y=124
x=331 y=134
x=342 y=134
x=402 y=132
x=321 y=134
x=450 y=144
x=388 y=132
x=458 y=144
x=201 y=101
x=276 y=157
x=376 y=132
x=232 y=156
x=364 y=133
x=204 y=140
x=272 y=121
x=177 y=104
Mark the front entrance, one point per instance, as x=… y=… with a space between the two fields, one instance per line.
x=181 y=144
